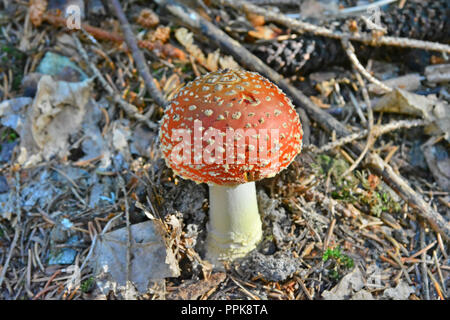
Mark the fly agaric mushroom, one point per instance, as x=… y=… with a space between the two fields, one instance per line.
x=228 y=129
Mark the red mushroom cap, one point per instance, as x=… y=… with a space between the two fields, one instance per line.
x=230 y=127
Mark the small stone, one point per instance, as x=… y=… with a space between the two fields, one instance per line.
x=276 y=267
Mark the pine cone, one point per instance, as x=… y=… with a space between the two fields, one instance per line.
x=426 y=20
x=422 y=21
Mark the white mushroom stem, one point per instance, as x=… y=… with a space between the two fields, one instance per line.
x=234 y=226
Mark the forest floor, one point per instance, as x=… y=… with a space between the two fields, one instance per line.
x=80 y=157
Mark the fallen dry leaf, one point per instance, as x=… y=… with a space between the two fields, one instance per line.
x=56 y=112
x=212 y=60
x=57 y=109
x=165 y=50
x=409 y=82
x=171 y=84
x=319 y=102
x=348 y=286
x=263 y=32
x=36 y=11
x=160 y=34
x=255 y=19
x=401 y=292
x=227 y=62
x=151 y=259
x=403 y=102
x=186 y=38
x=438 y=160
x=430 y=108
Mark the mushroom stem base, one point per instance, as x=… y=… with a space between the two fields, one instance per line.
x=234 y=227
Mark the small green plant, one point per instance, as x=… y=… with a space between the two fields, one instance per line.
x=323 y=164
x=9 y=135
x=186 y=68
x=344 y=186
x=374 y=196
x=340 y=262
x=359 y=187
x=13 y=59
x=87 y=285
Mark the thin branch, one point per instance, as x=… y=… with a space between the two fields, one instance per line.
x=371 y=138
x=378 y=130
x=350 y=50
x=96 y=32
x=17 y=229
x=305 y=290
x=399 y=185
x=93 y=34
x=276 y=2
x=441 y=277
x=11 y=250
x=425 y=282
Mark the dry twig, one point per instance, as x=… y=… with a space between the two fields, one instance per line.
x=350 y=50
x=378 y=130
x=137 y=55
x=17 y=230
x=425 y=282
x=371 y=137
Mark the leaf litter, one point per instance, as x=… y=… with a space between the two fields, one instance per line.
x=325 y=236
